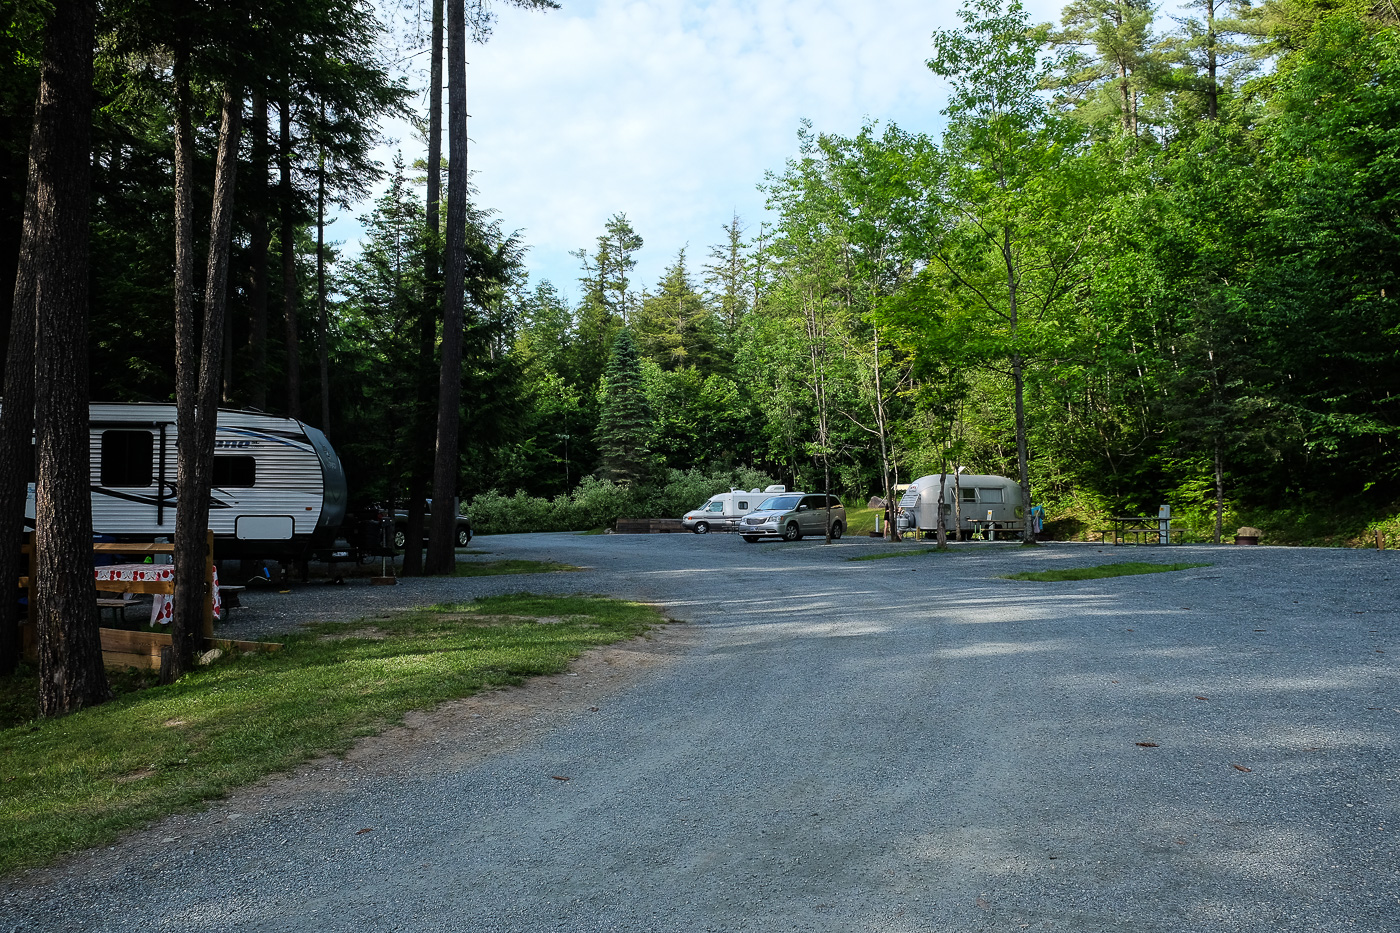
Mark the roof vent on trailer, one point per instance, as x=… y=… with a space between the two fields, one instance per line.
x=776 y=489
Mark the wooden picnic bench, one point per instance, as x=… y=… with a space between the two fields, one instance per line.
x=122 y=648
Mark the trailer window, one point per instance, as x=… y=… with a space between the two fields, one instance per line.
x=969 y=493
x=743 y=506
x=126 y=458
x=235 y=471
x=990 y=495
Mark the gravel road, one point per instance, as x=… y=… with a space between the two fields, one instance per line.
x=894 y=745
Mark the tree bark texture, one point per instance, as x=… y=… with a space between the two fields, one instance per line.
x=420 y=466
x=259 y=240
x=17 y=432
x=322 y=354
x=64 y=600
x=442 y=533
x=197 y=410
x=287 y=243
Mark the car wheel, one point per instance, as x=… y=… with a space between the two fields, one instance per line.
x=752 y=539
x=702 y=528
x=836 y=530
x=464 y=536
x=400 y=539
x=792 y=532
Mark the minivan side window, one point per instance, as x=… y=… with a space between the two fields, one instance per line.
x=126 y=458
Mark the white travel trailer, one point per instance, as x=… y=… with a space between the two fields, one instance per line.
x=982 y=498
x=279 y=490
x=722 y=512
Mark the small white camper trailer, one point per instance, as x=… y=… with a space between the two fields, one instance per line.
x=982 y=497
x=722 y=512
x=279 y=490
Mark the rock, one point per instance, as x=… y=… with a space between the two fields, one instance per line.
x=210 y=656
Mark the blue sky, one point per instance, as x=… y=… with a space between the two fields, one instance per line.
x=671 y=112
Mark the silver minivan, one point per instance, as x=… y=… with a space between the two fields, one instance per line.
x=792 y=515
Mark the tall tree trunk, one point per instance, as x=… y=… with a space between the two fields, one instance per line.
x=17 y=430
x=442 y=533
x=322 y=354
x=197 y=380
x=1212 y=88
x=259 y=239
x=1219 y=491
x=420 y=465
x=289 y=258
x=64 y=604
x=1018 y=379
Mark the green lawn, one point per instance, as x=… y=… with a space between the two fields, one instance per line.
x=1127 y=569
x=80 y=780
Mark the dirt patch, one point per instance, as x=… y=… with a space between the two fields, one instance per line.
x=369 y=633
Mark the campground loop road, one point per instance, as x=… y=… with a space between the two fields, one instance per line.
x=895 y=745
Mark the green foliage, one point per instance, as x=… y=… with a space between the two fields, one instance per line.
x=1101 y=572
x=624 y=417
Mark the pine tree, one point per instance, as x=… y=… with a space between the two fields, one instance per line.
x=625 y=418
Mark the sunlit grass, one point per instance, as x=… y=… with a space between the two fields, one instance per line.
x=1126 y=569
x=80 y=780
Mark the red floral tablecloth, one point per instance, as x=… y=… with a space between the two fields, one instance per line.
x=161 y=608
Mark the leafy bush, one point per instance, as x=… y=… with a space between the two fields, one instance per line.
x=599 y=503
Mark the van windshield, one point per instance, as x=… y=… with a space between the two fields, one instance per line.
x=780 y=503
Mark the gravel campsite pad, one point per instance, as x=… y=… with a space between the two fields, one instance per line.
x=912 y=744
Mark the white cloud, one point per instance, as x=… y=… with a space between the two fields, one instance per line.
x=672 y=111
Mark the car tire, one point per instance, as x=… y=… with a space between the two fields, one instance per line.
x=752 y=539
x=464 y=536
x=400 y=538
x=702 y=528
x=836 y=530
x=792 y=532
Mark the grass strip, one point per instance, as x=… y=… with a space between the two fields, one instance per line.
x=885 y=555
x=1103 y=571
x=80 y=780
x=492 y=568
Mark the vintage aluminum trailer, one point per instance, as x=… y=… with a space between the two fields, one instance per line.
x=983 y=497
x=279 y=490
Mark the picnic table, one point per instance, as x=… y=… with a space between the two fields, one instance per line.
x=1143 y=529
x=156 y=579
x=990 y=527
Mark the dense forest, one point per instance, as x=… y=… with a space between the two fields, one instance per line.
x=1147 y=260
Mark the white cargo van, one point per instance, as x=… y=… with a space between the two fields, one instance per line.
x=983 y=497
x=722 y=512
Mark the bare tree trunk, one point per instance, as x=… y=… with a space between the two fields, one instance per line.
x=1212 y=88
x=942 y=496
x=64 y=604
x=260 y=238
x=1219 y=492
x=442 y=533
x=17 y=431
x=289 y=260
x=1018 y=378
x=197 y=410
x=420 y=466
x=322 y=354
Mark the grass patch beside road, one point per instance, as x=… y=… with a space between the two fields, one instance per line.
x=914 y=552
x=81 y=780
x=1126 y=569
x=491 y=568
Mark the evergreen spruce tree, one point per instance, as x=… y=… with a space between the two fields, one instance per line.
x=625 y=418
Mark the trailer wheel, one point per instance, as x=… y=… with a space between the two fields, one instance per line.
x=702 y=528
x=836 y=530
x=464 y=536
x=400 y=537
x=792 y=532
